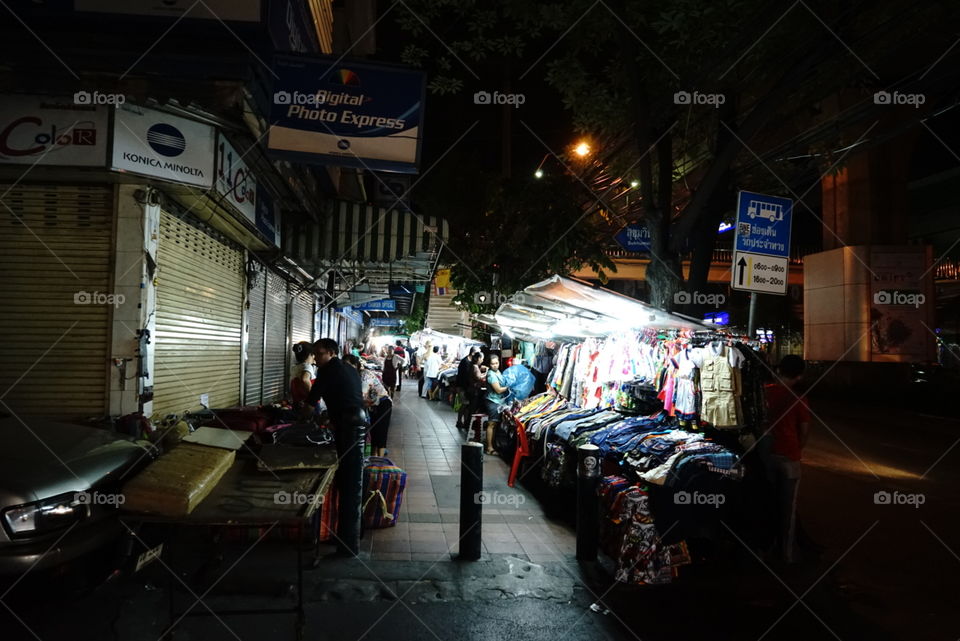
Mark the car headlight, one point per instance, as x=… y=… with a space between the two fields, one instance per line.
x=45 y=516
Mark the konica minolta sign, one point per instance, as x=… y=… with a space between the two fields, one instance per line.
x=160 y=145
x=352 y=114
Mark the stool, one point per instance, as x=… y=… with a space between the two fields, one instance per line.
x=523 y=450
x=477 y=422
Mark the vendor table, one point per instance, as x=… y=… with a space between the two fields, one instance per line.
x=248 y=497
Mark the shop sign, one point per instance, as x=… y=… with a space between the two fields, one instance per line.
x=350 y=114
x=42 y=130
x=352 y=314
x=268 y=218
x=291 y=28
x=159 y=145
x=384 y=305
x=385 y=322
x=234 y=180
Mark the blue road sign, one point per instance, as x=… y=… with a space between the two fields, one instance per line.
x=634 y=238
x=763 y=224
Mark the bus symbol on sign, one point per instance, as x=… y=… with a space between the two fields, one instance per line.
x=760 y=209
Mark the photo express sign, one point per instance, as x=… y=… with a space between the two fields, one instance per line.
x=159 y=145
x=349 y=114
x=43 y=130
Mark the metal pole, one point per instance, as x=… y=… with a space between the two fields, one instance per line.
x=351 y=438
x=471 y=499
x=588 y=503
x=752 y=322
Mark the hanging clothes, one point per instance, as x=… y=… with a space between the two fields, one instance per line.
x=719 y=384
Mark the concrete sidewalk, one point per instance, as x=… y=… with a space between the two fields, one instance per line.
x=424 y=441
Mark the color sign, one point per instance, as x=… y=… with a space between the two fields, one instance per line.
x=160 y=145
x=41 y=130
x=350 y=114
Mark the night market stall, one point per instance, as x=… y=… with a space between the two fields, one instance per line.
x=670 y=404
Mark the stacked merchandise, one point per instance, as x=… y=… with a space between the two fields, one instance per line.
x=666 y=412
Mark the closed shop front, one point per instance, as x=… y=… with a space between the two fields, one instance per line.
x=301 y=323
x=275 y=339
x=200 y=286
x=56 y=260
x=256 y=311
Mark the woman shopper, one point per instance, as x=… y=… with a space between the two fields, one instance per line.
x=378 y=404
x=496 y=398
x=390 y=372
x=302 y=373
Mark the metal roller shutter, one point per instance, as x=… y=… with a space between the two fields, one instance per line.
x=275 y=342
x=55 y=246
x=257 y=306
x=301 y=323
x=199 y=311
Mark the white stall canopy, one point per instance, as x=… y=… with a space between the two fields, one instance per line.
x=561 y=307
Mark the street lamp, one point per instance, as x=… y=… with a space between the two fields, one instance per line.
x=582 y=149
x=538 y=173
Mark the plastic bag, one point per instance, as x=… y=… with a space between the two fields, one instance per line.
x=520 y=380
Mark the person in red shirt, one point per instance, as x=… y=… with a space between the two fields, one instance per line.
x=788 y=426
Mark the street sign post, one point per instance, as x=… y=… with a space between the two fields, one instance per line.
x=634 y=238
x=761 y=250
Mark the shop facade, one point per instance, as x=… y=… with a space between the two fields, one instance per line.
x=136 y=283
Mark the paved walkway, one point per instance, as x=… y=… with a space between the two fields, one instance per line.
x=424 y=441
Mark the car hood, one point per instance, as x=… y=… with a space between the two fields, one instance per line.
x=43 y=458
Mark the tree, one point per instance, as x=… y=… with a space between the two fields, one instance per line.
x=692 y=99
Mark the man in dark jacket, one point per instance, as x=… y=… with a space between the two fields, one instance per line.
x=338 y=384
x=464 y=380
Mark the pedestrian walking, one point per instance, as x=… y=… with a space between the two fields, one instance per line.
x=431 y=372
x=788 y=416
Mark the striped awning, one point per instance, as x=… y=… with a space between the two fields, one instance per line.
x=357 y=233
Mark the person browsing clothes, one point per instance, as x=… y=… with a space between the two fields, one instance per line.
x=379 y=404
x=497 y=391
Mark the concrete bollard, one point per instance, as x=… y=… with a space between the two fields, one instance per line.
x=588 y=503
x=471 y=504
x=351 y=438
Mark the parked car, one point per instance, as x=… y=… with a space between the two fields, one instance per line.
x=59 y=490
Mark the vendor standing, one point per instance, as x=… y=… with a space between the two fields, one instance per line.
x=338 y=384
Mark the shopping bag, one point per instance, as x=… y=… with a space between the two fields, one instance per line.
x=383 y=485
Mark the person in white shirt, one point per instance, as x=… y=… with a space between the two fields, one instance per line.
x=431 y=373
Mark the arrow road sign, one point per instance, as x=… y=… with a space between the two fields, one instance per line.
x=759 y=273
x=741 y=266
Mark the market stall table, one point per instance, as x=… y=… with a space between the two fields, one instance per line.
x=248 y=497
